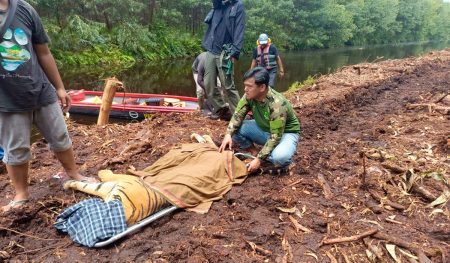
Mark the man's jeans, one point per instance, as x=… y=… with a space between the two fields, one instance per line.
x=251 y=133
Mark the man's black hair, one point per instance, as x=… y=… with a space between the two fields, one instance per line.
x=260 y=74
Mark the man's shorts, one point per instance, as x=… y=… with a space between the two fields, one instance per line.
x=15 y=132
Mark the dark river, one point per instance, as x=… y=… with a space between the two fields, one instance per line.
x=175 y=76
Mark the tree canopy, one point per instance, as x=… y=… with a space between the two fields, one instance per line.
x=120 y=32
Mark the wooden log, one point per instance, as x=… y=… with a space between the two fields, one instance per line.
x=109 y=91
x=350 y=238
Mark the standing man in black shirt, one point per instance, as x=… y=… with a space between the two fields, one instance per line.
x=223 y=41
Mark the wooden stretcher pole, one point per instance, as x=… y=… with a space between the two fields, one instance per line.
x=111 y=85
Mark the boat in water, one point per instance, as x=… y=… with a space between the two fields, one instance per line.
x=132 y=106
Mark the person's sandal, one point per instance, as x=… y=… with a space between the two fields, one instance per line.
x=14 y=204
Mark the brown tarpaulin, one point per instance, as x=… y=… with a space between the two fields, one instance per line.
x=192 y=176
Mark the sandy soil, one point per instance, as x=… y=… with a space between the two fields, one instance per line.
x=374 y=154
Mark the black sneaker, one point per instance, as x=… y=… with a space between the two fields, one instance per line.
x=270 y=168
x=225 y=114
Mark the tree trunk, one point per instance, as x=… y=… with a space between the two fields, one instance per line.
x=107 y=21
x=151 y=11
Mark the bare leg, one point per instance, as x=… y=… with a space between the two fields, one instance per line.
x=67 y=159
x=19 y=178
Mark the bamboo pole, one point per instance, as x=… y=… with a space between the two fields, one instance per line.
x=111 y=85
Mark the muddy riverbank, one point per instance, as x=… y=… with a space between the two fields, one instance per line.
x=373 y=157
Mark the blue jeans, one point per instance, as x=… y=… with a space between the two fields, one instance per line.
x=251 y=133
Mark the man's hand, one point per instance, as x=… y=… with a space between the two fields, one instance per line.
x=254 y=165
x=281 y=74
x=65 y=99
x=227 y=141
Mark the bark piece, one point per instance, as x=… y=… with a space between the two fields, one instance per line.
x=350 y=238
x=410 y=246
x=373 y=248
x=386 y=201
x=325 y=186
x=423 y=192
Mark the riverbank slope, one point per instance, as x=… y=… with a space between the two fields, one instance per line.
x=374 y=155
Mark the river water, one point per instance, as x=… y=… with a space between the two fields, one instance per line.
x=175 y=76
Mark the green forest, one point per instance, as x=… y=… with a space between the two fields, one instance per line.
x=118 y=33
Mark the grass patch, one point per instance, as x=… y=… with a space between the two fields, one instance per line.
x=299 y=85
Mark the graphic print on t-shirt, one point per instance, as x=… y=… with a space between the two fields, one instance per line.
x=12 y=54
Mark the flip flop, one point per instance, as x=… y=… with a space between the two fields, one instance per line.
x=14 y=204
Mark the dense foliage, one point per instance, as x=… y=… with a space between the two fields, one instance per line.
x=119 y=32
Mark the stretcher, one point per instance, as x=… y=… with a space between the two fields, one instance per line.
x=136 y=227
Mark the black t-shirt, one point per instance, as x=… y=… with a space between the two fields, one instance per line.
x=23 y=84
x=272 y=51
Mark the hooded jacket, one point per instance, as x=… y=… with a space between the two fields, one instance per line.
x=226 y=24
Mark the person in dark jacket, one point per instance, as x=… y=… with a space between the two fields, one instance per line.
x=223 y=41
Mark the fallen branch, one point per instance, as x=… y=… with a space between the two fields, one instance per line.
x=350 y=238
x=346 y=259
x=394 y=168
x=57 y=246
x=325 y=186
x=374 y=249
x=298 y=226
x=290 y=185
x=441 y=97
x=410 y=246
x=26 y=235
x=385 y=200
x=259 y=249
x=393 y=221
x=424 y=192
x=431 y=107
x=373 y=206
x=364 y=174
x=331 y=257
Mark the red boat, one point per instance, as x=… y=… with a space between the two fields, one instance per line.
x=134 y=106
